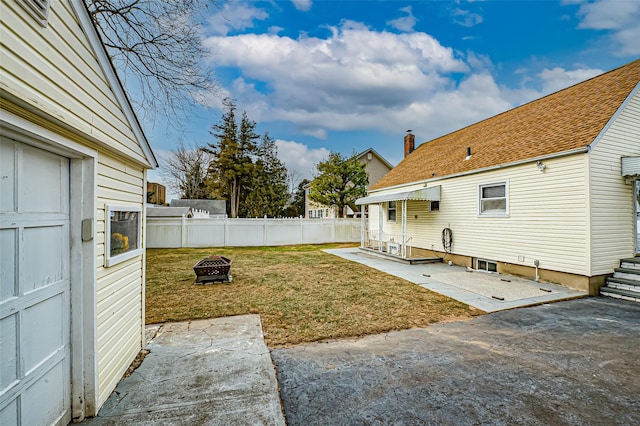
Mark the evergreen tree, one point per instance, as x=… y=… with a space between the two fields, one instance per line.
x=340 y=182
x=232 y=166
x=269 y=191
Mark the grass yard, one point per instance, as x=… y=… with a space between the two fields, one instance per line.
x=301 y=293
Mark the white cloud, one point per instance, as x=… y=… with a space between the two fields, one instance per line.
x=235 y=16
x=620 y=18
x=359 y=79
x=302 y=5
x=299 y=158
x=466 y=18
x=405 y=23
x=558 y=78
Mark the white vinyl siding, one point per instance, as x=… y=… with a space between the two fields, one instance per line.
x=547 y=216
x=119 y=288
x=611 y=198
x=71 y=89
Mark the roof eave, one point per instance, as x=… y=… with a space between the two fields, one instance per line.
x=581 y=150
x=87 y=25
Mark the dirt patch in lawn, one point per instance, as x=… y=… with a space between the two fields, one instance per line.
x=301 y=293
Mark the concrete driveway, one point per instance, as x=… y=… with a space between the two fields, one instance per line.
x=576 y=363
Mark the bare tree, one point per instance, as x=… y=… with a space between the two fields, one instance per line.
x=186 y=172
x=156 y=46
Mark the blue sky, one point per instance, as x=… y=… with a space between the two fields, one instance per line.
x=349 y=75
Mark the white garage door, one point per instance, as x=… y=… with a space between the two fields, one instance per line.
x=35 y=286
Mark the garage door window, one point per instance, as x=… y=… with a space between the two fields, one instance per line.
x=124 y=226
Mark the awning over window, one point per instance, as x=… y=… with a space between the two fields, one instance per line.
x=431 y=193
x=630 y=166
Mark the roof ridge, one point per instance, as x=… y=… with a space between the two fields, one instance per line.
x=530 y=102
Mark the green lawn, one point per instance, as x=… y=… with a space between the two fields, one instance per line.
x=301 y=293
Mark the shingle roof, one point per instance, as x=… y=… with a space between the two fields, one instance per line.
x=569 y=119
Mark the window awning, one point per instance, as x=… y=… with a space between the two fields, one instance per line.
x=630 y=166
x=431 y=193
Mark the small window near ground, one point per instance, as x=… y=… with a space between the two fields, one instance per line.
x=123 y=234
x=391 y=211
x=486 y=266
x=493 y=199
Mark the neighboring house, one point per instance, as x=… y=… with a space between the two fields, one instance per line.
x=376 y=167
x=176 y=212
x=546 y=188
x=74 y=162
x=156 y=194
x=214 y=207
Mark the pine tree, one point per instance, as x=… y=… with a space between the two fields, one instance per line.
x=269 y=191
x=232 y=167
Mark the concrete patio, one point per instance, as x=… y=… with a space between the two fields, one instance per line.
x=485 y=291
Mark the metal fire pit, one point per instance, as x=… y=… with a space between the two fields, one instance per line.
x=213 y=268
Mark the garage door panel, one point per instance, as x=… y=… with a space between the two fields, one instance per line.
x=46 y=394
x=35 y=288
x=46 y=266
x=9 y=285
x=44 y=339
x=45 y=177
x=7 y=180
x=9 y=365
x=9 y=414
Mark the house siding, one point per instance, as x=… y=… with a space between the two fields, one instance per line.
x=54 y=72
x=120 y=304
x=547 y=216
x=612 y=209
x=376 y=169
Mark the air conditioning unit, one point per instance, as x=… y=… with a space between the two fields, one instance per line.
x=394 y=248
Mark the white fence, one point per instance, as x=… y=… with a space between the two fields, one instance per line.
x=182 y=232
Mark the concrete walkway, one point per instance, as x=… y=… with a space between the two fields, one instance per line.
x=208 y=372
x=488 y=292
x=569 y=363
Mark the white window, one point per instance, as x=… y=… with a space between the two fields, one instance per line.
x=434 y=206
x=320 y=213
x=39 y=9
x=123 y=234
x=391 y=211
x=486 y=265
x=310 y=214
x=326 y=213
x=492 y=199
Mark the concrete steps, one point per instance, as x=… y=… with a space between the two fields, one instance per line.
x=625 y=283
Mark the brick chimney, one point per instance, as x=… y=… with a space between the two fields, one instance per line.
x=409 y=143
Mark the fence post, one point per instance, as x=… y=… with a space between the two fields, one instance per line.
x=300 y=230
x=333 y=230
x=183 y=231
x=264 y=231
x=225 y=229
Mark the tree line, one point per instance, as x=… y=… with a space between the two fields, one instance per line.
x=242 y=167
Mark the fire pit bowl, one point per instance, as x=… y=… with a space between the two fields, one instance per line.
x=213 y=268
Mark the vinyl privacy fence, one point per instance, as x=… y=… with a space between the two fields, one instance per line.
x=183 y=232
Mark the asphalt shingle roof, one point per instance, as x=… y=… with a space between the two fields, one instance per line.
x=569 y=119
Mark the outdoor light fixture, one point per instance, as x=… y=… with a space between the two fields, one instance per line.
x=541 y=166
